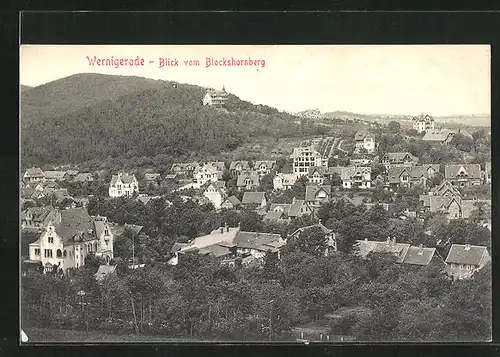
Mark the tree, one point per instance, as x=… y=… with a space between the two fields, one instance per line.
x=311 y=241
x=394 y=127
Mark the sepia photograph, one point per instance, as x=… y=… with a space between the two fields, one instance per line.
x=255 y=193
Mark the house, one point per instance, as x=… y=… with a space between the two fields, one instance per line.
x=398 y=159
x=330 y=237
x=412 y=175
x=70 y=237
x=463 y=175
x=206 y=173
x=236 y=167
x=331 y=173
x=36 y=218
x=103 y=271
x=360 y=160
x=366 y=247
x=152 y=177
x=464 y=260
x=441 y=136
x=254 y=199
x=264 y=167
x=353 y=176
x=317 y=175
x=123 y=184
x=145 y=199
x=229 y=242
x=231 y=202
x=70 y=174
x=34 y=174
x=248 y=180
x=487 y=173
x=420 y=255
x=278 y=212
x=55 y=175
x=423 y=122
x=299 y=208
x=184 y=168
x=306 y=157
x=219 y=165
x=216 y=98
x=316 y=195
x=284 y=181
x=84 y=177
x=216 y=193
x=364 y=141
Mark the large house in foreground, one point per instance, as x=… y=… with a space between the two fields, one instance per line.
x=123 y=184
x=464 y=260
x=69 y=238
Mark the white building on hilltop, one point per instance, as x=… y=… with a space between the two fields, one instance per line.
x=123 y=184
x=69 y=238
x=216 y=98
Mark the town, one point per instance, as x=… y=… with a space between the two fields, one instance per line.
x=286 y=247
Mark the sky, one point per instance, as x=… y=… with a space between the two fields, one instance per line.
x=434 y=79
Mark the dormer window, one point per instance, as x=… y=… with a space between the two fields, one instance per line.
x=51 y=239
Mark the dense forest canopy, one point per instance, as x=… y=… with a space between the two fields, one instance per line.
x=84 y=116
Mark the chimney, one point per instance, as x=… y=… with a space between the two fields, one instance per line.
x=227 y=228
x=467 y=247
x=421 y=249
x=221 y=230
x=388 y=240
x=394 y=240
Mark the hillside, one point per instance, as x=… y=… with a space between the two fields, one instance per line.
x=89 y=116
x=24 y=88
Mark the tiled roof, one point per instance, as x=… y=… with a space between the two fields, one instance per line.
x=298 y=151
x=284 y=206
x=208 y=167
x=213 y=238
x=318 y=225
x=473 y=171
x=423 y=117
x=415 y=172
x=397 y=157
x=350 y=171
x=288 y=179
x=151 y=177
x=438 y=134
x=366 y=247
x=219 y=165
x=34 y=172
x=274 y=215
x=463 y=254
x=445 y=187
x=361 y=135
x=268 y=163
x=234 y=200
x=177 y=246
x=124 y=177
x=253 y=176
x=74 y=222
x=243 y=164
x=215 y=249
x=419 y=255
x=295 y=208
x=253 y=197
x=83 y=176
x=256 y=240
x=312 y=191
x=321 y=170
x=57 y=175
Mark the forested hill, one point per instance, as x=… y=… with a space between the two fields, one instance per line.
x=89 y=116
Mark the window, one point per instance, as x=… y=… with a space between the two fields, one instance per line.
x=37 y=251
x=48 y=253
x=59 y=253
x=65 y=253
x=51 y=239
